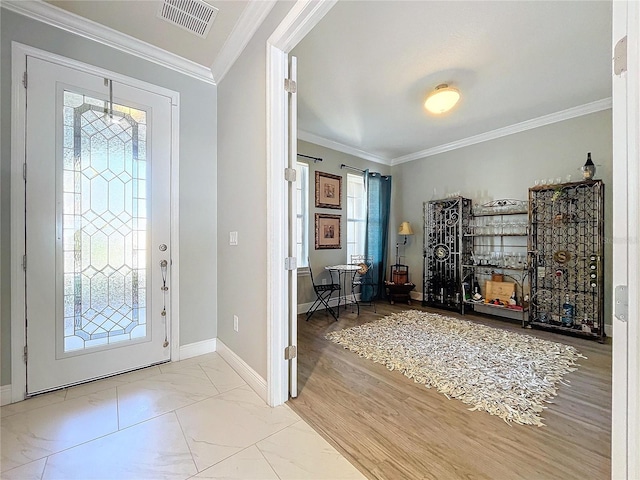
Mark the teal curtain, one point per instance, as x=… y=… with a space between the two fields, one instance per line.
x=378 y=191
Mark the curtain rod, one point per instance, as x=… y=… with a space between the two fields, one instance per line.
x=315 y=159
x=363 y=171
x=351 y=168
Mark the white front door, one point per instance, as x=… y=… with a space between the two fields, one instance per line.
x=98 y=156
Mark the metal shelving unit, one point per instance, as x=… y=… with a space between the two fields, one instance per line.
x=445 y=250
x=498 y=233
x=566 y=245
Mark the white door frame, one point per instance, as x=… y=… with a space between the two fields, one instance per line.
x=625 y=429
x=302 y=17
x=19 y=54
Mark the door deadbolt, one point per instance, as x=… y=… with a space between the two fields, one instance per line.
x=162 y=247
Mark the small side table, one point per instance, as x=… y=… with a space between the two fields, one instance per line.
x=399 y=291
x=399 y=287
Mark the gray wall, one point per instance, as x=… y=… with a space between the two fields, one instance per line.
x=505 y=168
x=198 y=171
x=331 y=161
x=242 y=189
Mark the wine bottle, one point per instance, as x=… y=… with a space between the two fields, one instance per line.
x=589 y=168
x=567 y=312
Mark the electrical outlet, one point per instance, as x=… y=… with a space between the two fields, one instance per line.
x=324 y=281
x=235 y=322
x=233 y=238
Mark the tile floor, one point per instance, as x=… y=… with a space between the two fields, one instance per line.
x=191 y=419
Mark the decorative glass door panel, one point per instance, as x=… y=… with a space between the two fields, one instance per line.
x=97 y=199
x=104 y=223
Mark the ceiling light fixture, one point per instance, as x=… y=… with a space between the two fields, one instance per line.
x=442 y=99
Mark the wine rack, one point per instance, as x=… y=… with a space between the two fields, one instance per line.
x=445 y=250
x=566 y=250
x=498 y=232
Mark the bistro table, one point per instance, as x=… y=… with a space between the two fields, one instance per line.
x=344 y=271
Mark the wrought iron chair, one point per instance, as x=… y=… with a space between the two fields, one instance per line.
x=323 y=295
x=364 y=281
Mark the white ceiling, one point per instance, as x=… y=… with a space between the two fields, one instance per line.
x=365 y=69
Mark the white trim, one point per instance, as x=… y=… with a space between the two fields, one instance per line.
x=302 y=17
x=620 y=451
x=244 y=29
x=340 y=147
x=551 y=118
x=248 y=374
x=6 y=396
x=175 y=231
x=585 y=109
x=18 y=149
x=19 y=53
x=197 y=348
x=54 y=16
x=277 y=299
x=625 y=431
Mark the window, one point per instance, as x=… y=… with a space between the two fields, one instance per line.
x=356 y=215
x=302 y=214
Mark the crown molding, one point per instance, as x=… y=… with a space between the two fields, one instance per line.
x=56 y=17
x=303 y=16
x=585 y=109
x=323 y=142
x=568 y=114
x=247 y=25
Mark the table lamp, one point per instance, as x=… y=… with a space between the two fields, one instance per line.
x=406 y=230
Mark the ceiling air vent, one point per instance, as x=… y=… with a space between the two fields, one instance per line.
x=195 y=16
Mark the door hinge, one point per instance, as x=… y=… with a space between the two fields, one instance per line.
x=290 y=175
x=25 y=354
x=24 y=262
x=621 y=298
x=290 y=86
x=24 y=79
x=24 y=171
x=290 y=263
x=290 y=352
x=620 y=56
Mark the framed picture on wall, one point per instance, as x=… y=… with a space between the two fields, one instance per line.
x=328 y=190
x=327 y=231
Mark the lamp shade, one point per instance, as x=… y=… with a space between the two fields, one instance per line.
x=442 y=99
x=405 y=229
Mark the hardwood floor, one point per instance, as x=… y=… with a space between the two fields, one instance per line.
x=392 y=428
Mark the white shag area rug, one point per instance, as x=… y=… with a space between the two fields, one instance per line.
x=501 y=372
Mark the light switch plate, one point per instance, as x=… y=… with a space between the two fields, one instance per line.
x=233 y=238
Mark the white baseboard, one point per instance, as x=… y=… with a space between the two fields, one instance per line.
x=248 y=374
x=608 y=330
x=197 y=348
x=416 y=295
x=5 y=395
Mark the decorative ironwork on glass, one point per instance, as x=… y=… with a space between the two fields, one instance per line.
x=566 y=245
x=104 y=223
